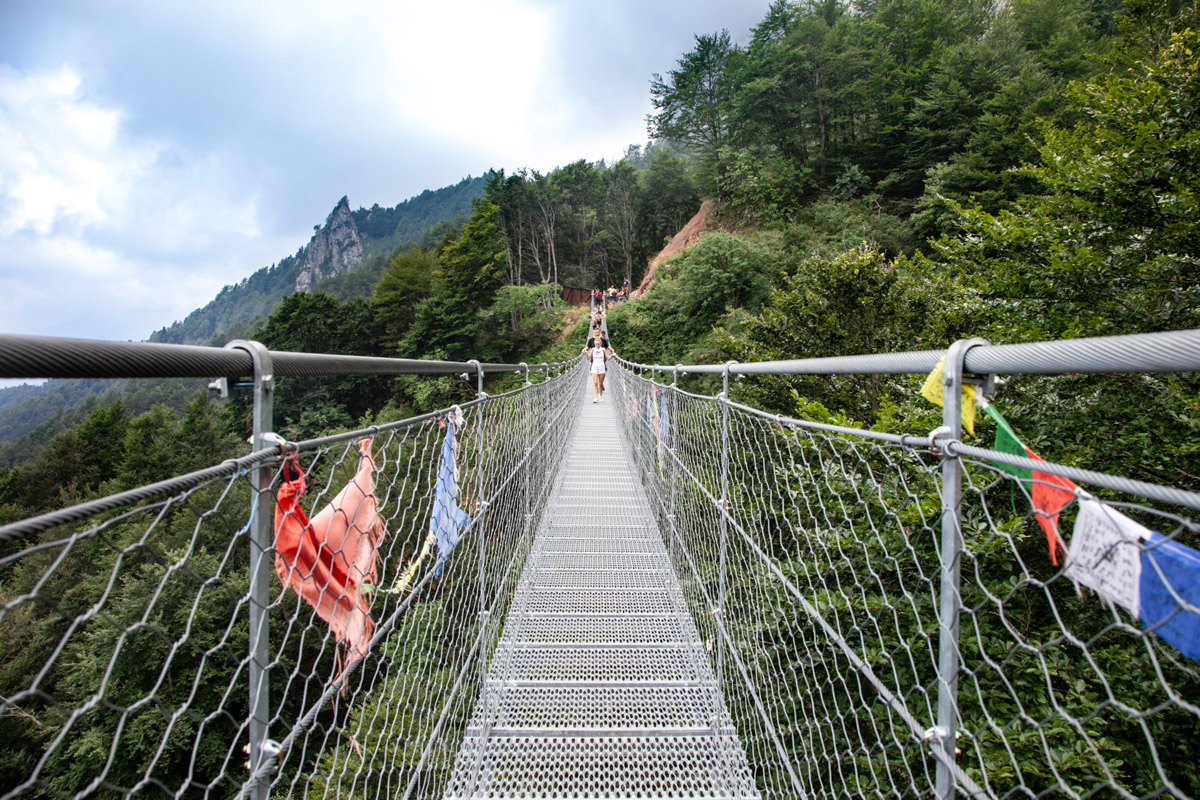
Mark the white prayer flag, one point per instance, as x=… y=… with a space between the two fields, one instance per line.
x=1105 y=553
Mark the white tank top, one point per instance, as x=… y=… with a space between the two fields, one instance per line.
x=597 y=355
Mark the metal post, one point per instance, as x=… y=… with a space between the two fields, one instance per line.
x=260 y=561
x=723 y=505
x=478 y=531
x=950 y=601
x=528 y=451
x=674 y=461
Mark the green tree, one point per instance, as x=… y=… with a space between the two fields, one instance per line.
x=407 y=281
x=1112 y=244
x=693 y=105
x=523 y=320
x=667 y=199
x=318 y=323
x=470 y=270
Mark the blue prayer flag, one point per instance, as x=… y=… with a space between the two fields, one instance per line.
x=448 y=517
x=1169 y=593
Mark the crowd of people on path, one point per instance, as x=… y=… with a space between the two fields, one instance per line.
x=598 y=352
x=607 y=298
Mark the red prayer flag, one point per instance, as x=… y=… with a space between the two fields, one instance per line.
x=329 y=559
x=1050 y=494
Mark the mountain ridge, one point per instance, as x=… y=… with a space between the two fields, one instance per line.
x=348 y=241
x=344 y=257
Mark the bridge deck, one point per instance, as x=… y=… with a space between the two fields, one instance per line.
x=600 y=686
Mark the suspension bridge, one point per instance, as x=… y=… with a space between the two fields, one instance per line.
x=665 y=594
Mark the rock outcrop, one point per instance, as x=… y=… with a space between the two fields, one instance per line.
x=333 y=250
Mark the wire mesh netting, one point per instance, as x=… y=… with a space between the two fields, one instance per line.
x=124 y=635
x=818 y=597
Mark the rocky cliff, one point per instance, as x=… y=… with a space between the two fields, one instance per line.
x=333 y=250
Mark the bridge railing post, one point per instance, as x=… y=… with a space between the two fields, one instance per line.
x=527 y=450
x=943 y=738
x=481 y=550
x=671 y=428
x=723 y=505
x=261 y=519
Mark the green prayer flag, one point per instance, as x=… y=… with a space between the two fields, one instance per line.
x=1007 y=442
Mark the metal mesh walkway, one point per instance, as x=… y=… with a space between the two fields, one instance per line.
x=599 y=685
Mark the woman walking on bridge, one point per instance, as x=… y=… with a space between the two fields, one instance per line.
x=598 y=352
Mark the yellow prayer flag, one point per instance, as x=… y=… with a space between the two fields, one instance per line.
x=932 y=391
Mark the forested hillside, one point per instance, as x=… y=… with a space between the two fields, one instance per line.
x=888 y=175
x=240 y=308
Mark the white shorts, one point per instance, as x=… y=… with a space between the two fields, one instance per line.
x=597 y=369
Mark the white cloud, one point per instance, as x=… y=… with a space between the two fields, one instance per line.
x=450 y=74
x=103 y=236
x=58 y=158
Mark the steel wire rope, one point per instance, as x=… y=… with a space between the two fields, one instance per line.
x=955 y=447
x=43 y=522
x=1167 y=351
x=50 y=357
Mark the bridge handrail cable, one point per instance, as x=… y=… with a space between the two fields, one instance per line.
x=50 y=357
x=1168 y=351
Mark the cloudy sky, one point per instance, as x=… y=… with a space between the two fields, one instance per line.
x=152 y=152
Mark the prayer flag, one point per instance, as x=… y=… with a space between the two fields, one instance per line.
x=1008 y=442
x=1169 y=593
x=1155 y=579
x=931 y=390
x=448 y=518
x=330 y=560
x=1050 y=494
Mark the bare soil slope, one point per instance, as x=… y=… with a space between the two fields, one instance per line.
x=697 y=226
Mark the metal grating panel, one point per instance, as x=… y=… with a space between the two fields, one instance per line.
x=604 y=709
x=612 y=579
x=598 y=601
x=642 y=664
x=603 y=525
x=691 y=767
x=572 y=544
x=599 y=686
x=595 y=629
x=599 y=561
